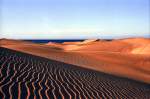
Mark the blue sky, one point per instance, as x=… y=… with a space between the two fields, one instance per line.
x=67 y=19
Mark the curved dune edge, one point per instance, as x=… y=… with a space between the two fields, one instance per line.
x=26 y=76
x=132 y=66
x=131 y=46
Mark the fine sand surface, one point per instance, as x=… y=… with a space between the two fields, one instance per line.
x=128 y=58
x=25 y=76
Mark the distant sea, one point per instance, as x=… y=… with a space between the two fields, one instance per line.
x=57 y=41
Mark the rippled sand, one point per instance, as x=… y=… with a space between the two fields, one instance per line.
x=24 y=75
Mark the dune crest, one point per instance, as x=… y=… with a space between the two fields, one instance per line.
x=130 y=46
x=117 y=57
x=89 y=41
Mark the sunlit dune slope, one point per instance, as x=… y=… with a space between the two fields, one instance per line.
x=71 y=45
x=115 y=62
x=12 y=42
x=56 y=45
x=114 y=46
x=134 y=46
x=141 y=45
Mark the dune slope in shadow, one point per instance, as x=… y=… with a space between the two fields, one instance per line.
x=27 y=76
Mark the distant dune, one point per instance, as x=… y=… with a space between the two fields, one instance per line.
x=132 y=45
x=123 y=57
x=140 y=45
x=6 y=42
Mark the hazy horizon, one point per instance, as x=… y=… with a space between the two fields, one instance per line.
x=76 y=38
x=74 y=19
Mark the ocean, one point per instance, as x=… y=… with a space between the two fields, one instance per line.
x=57 y=41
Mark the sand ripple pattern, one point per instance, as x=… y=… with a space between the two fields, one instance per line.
x=24 y=76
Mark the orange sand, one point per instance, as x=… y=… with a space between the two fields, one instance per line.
x=124 y=57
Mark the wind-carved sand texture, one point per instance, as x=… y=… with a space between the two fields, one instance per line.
x=27 y=76
x=120 y=57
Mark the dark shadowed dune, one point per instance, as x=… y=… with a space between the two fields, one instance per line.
x=26 y=76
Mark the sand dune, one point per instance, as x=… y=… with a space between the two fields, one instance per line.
x=134 y=46
x=71 y=45
x=112 y=57
x=13 y=42
x=57 y=45
x=141 y=45
x=26 y=76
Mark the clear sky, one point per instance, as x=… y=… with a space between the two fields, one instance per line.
x=67 y=19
